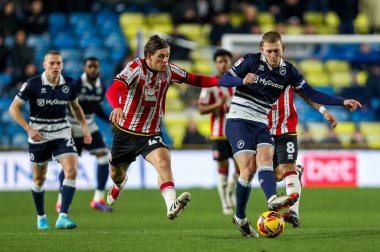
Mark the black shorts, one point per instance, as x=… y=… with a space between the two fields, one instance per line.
x=127 y=146
x=285 y=150
x=221 y=149
x=97 y=144
x=41 y=153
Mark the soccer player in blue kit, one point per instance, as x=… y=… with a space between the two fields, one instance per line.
x=260 y=79
x=91 y=91
x=50 y=134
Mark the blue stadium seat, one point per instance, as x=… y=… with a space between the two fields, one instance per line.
x=38 y=42
x=90 y=41
x=71 y=54
x=99 y=53
x=57 y=22
x=107 y=17
x=64 y=40
x=80 y=17
x=115 y=41
x=5 y=80
x=73 y=68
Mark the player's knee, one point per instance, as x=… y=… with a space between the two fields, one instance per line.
x=71 y=173
x=39 y=180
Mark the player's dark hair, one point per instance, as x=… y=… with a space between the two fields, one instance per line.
x=155 y=43
x=222 y=52
x=271 y=37
x=92 y=58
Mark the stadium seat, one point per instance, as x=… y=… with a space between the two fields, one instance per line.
x=162 y=28
x=131 y=19
x=332 y=21
x=90 y=41
x=160 y=18
x=318 y=131
x=344 y=131
x=204 y=67
x=371 y=131
x=76 y=18
x=311 y=66
x=93 y=51
x=57 y=22
x=314 y=18
x=340 y=79
x=294 y=30
x=71 y=54
x=236 y=18
x=73 y=68
x=265 y=18
x=38 y=42
x=5 y=80
x=172 y=93
x=64 y=40
x=337 y=66
x=361 y=78
x=175 y=124
x=192 y=31
x=317 y=79
x=361 y=23
x=106 y=17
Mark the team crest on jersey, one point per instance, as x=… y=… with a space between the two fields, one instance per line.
x=240 y=144
x=65 y=89
x=282 y=71
x=237 y=63
x=261 y=68
x=40 y=102
x=23 y=86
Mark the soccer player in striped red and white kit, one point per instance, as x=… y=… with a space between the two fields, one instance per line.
x=137 y=97
x=282 y=123
x=216 y=101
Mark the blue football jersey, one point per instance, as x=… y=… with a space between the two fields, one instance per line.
x=254 y=102
x=90 y=98
x=48 y=105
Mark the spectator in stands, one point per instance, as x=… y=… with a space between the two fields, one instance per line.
x=184 y=12
x=331 y=141
x=250 y=23
x=291 y=12
x=372 y=88
x=36 y=19
x=21 y=54
x=358 y=141
x=192 y=134
x=347 y=10
x=4 y=57
x=371 y=8
x=306 y=139
x=29 y=71
x=220 y=25
x=178 y=44
x=9 y=21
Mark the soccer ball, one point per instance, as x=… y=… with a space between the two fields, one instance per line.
x=270 y=224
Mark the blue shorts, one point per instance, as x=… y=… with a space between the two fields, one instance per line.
x=44 y=152
x=245 y=135
x=97 y=144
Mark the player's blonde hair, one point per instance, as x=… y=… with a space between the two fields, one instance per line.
x=271 y=37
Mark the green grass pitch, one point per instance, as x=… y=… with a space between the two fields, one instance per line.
x=332 y=220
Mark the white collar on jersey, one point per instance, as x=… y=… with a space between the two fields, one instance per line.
x=88 y=84
x=45 y=81
x=262 y=58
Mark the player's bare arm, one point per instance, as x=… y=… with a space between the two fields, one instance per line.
x=15 y=112
x=76 y=109
x=327 y=115
x=205 y=109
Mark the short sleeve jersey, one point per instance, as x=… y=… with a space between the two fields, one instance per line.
x=143 y=99
x=48 y=105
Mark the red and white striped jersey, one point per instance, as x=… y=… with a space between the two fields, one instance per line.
x=143 y=101
x=283 y=116
x=211 y=95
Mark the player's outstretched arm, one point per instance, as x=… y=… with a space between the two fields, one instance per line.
x=327 y=115
x=201 y=80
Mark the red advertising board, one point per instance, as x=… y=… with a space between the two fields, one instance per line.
x=330 y=169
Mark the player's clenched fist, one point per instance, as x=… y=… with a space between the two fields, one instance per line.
x=249 y=79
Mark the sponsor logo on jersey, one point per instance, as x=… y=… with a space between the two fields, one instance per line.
x=266 y=82
x=237 y=63
x=43 y=102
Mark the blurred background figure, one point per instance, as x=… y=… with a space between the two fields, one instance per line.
x=192 y=135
